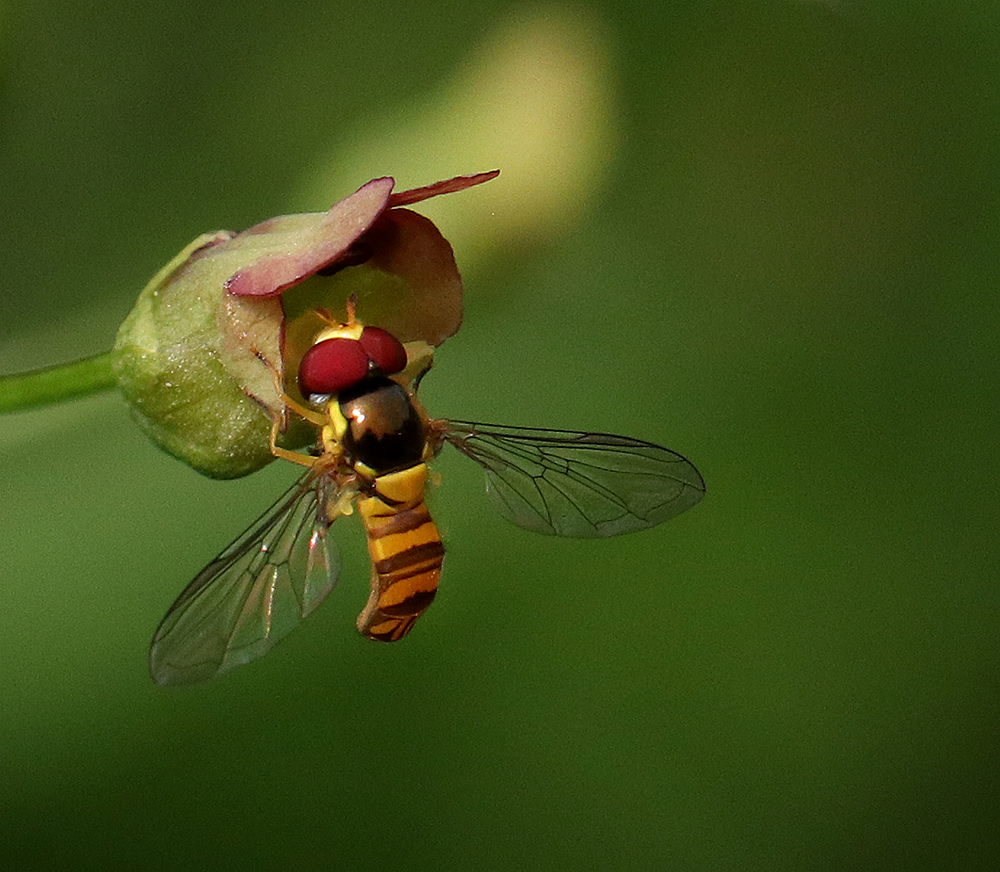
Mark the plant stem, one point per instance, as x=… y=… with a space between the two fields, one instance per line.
x=54 y=384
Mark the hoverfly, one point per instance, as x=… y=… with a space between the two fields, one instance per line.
x=375 y=441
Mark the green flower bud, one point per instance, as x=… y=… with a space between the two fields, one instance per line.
x=219 y=332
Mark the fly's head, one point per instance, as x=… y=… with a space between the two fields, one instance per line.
x=364 y=380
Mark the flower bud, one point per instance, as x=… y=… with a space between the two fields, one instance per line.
x=218 y=333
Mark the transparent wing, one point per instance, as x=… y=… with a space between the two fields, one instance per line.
x=254 y=593
x=570 y=483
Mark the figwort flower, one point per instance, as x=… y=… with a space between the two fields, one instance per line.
x=219 y=328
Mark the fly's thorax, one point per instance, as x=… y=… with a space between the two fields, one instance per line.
x=384 y=429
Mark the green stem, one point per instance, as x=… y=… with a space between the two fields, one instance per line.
x=54 y=384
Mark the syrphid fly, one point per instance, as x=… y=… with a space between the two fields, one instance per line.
x=374 y=443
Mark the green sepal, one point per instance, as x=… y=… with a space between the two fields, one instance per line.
x=167 y=365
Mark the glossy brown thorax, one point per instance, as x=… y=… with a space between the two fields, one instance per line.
x=384 y=430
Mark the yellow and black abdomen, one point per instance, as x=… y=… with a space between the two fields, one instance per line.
x=406 y=553
x=385 y=441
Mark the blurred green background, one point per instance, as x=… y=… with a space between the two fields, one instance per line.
x=764 y=234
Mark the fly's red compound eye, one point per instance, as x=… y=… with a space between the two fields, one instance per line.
x=332 y=365
x=384 y=349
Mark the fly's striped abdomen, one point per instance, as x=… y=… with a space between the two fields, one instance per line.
x=406 y=553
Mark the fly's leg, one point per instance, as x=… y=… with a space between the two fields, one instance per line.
x=285 y=453
x=279 y=420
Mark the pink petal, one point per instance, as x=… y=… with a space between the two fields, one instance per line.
x=300 y=245
x=408 y=245
x=459 y=183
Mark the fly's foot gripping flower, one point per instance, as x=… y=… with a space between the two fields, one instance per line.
x=223 y=326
